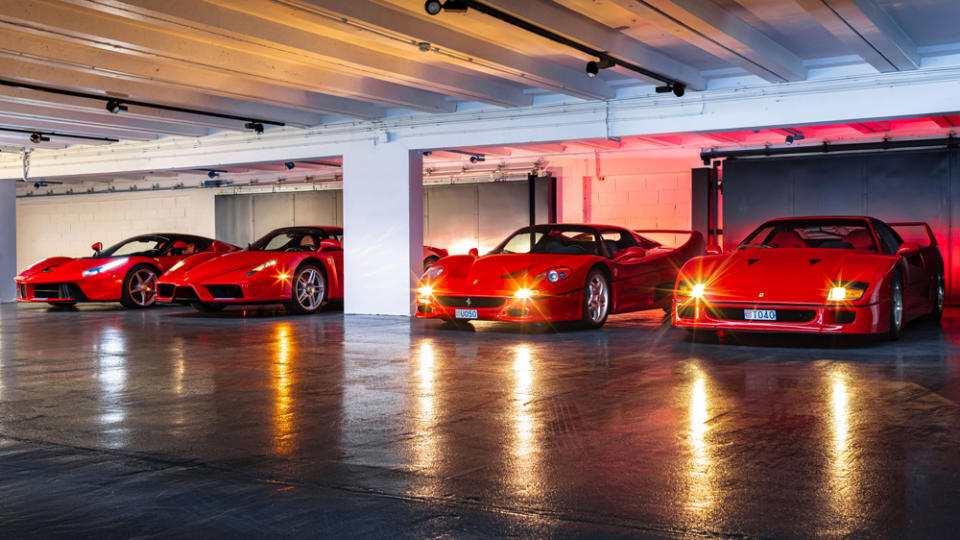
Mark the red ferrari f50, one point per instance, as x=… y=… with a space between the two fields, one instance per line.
x=556 y=273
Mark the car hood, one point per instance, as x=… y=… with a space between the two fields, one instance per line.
x=64 y=267
x=502 y=275
x=788 y=275
x=223 y=264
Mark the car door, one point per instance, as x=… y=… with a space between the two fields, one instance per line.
x=916 y=297
x=634 y=283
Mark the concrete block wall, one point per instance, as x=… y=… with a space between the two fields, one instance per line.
x=639 y=190
x=68 y=225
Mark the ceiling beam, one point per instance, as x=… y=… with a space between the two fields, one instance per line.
x=600 y=144
x=582 y=29
x=450 y=45
x=543 y=148
x=144 y=51
x=280 y=36
x=712 y=28
x=868 y=30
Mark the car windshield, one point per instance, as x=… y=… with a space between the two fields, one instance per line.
x=299 y=239
x=812 y=233
x=555 y=239
x=141 y=246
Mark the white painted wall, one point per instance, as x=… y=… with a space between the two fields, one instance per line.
x=383 y=226
x=8 y=239
x=67 y=225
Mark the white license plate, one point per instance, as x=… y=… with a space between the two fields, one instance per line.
x=465 y=314
x=760 y=314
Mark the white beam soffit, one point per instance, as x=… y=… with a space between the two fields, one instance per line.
x=868 y=30
x=921 y=93
x=274 y=31
x=708 y=26
x=455 y=47
x=585 y=30
x=147 y=53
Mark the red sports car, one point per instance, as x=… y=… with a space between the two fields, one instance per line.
x=556 y=273
x=837 y=275
x=126 y=272
x=300 y=267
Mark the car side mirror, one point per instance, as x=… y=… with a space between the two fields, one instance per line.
x=329 y=244
x=474 y=252
x=97 y=248
x=632 y=252
x=907 y=249
x=714 y=249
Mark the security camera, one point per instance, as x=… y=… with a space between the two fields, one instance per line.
x=477 y=158
x=594 y=67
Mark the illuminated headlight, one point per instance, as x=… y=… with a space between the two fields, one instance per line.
x=523 y=294
x=692 y=290
x=424 y=294
x=117 y=263
x=846 y=291
x=263 y=266
x=178 y=265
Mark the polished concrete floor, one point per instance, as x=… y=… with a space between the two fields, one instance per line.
x=165 y=422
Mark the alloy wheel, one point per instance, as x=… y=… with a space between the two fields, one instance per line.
x=597 y=298
x=310 y=289
x=143 y=287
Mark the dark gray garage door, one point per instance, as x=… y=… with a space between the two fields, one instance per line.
x=892 y=186
x=456 y=217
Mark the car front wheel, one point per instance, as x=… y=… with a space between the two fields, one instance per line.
x=308 y=291
x=139 y=287
x=596 y=299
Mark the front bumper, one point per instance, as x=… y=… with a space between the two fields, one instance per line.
x=222 y=292
x=811 y=319
x=444 y=305
x=53 y=291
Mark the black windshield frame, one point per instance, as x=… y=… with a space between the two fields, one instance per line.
x=544 y=229
x=164 y=241
x=319 y=233
x=800 y=223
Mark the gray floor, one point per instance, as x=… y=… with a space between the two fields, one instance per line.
x=164 y=423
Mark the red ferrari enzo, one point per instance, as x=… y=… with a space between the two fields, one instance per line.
x=300 y=267
x=556 y=273
x=126 y=272
x=838 y=275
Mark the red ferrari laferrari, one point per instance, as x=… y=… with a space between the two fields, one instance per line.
x=126 y=272
x=553 y=273
x=300 y=267
x=837 y=275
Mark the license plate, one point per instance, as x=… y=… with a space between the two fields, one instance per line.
x=760 y=314
x=465 y=314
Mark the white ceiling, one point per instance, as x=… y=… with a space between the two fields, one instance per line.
x=313 y=62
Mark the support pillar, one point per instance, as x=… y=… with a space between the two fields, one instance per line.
x=383 y=228
x=8 y=239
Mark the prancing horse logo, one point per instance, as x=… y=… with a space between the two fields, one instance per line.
x=468 y=301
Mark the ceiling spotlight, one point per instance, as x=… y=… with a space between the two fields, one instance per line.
x=594 y=67
x=423 y=46
x=213 y=174
x=255 y=126
x=477 y=158
x=289 y=165
x=678 y=89
x=115 y=106
x=36 y=138
x=433 y=7
x=793 y=135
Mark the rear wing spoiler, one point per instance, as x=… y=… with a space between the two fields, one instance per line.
x=695 y=238
x=926 y=228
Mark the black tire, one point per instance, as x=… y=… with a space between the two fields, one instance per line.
x=896 y=305
x=308 y=290
x=596 y=299
x=430 y=261
x=206 y=307
x=140 y=287
x=939 y=296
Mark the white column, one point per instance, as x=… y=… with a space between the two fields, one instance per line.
x=382 y=227
x=8 y=239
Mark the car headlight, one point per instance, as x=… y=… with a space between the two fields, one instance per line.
x=263 y=266
x=106 y=267
x=554 y=275
x=433 y=272
x=176 y=266
x=424 y=294
x=846 y=291
x=691 y=289
x=525 y=293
